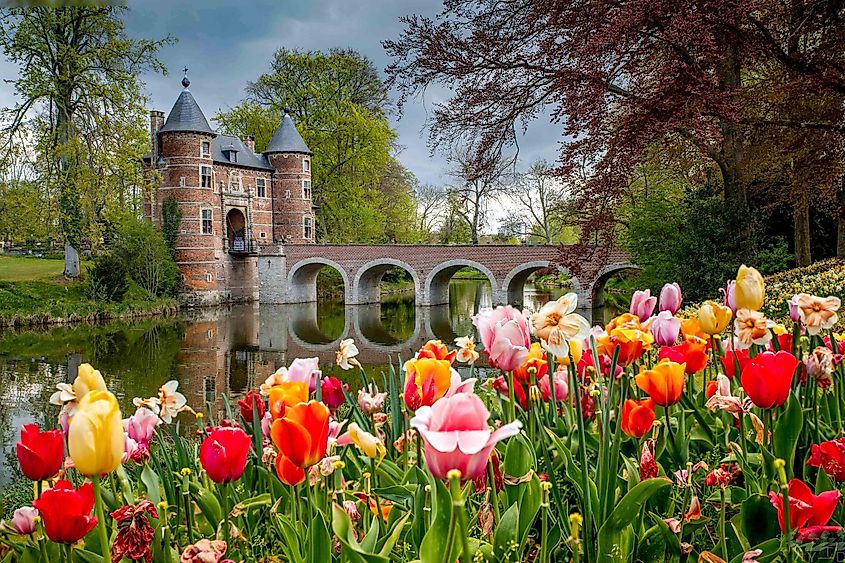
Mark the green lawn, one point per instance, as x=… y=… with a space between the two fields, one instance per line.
x=29 y=268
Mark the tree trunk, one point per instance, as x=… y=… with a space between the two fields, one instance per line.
x=801 y=221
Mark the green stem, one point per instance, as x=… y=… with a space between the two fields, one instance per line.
x=491 y=483
x=511 y=395
x=450 y=539
x=575 y=390
x=724 y=537
x=375 y=496
x=224 y=492
x=459 y=512
x=42 y=543
x=101 y=519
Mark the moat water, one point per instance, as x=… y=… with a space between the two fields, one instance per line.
x=224 y=350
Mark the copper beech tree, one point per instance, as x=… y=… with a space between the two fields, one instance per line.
x=622 y=77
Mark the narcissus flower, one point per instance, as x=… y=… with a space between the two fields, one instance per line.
x=750 y=289
x=692 y=352
x=40 y=454
x=805 y=508
x=637 y=417
x=302 y=434
x=714 y=318
x=767 y=378
x=457 y=435
x=817 y=313
x=437 y=350
x=224 y=452
x=466 y=350
x=830 y=456
x=642 y=304
x=557 y=324
x=66 y=512
x=665 y=383
x=171 y=401
x=346 y=354
x=752 y=327
x=286 y=394
x=426 y=380
x=95 y=436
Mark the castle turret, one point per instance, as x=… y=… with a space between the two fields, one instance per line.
x=293 y=209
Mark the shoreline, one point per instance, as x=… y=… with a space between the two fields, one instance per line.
x=45 y=319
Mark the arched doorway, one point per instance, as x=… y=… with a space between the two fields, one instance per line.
x=236 y=231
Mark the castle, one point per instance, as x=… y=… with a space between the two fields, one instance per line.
x=234 y=202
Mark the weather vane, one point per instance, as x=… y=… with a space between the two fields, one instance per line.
x=185 y=81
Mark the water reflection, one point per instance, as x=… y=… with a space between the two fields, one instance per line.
x=219 y=351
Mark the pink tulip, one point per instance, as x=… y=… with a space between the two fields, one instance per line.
x=23 y=521
x=794 y=310
x=141 y=426
x=457 y=436
x=671 y=298
x=642 y=304
x=266 y=421
x=561 y=386
x=487 y=319
x=305 y=370
x=729 y=293
x=509 y=348
x=665 y=328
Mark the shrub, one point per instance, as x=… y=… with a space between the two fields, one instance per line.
x=171 y=218
x=148 y=260
x=107 y=279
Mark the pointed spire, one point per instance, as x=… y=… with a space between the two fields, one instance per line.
x=186 y=114
x=287 y=138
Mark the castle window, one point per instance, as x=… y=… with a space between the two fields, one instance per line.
x=261 y=187
x=235 y=181
x=205 y=176
x=287 y=194
x=205 y=216
x=307 y=228
x=306 y=189
x=262 y=235
x=205 y=148
x=306 y=165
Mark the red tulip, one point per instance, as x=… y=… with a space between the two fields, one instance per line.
x=805 y=508
x=692 y=352
x=830 y=456
x=288 y=473
x=767 y=378
x=134 y=533
x=500 y=384
x=731 y=359
x=40 y=454
x=66 y=512
x=333 y=395
x=246 y=405
x=637 y=417
x=223 y=453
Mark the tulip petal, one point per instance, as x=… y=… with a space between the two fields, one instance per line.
x=441 y=441
x=292 y=439
x=473 y=441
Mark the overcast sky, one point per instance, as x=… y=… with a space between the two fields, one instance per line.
x=228 y=43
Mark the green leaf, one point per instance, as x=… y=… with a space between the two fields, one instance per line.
x=758 y=519
x=208 y=504
x=615 y=536
x=352 y=551
x=290 y=546
x=787 y=431
x=152 y=484
x=394 y=536
x=434 y=542
x=529 y=506
x=86 y=556
x=505 y=535
x=319 y=544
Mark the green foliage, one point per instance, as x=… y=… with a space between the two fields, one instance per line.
x=775 y=257
x=147 y=257
x=25 y=215
x=107 y=278
x=171 y=218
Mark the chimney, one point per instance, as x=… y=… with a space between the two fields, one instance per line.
x=249 y=141
x=156 y=123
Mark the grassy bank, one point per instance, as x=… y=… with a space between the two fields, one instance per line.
x=33 y=292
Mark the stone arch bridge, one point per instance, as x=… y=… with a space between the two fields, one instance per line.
x=288 y=273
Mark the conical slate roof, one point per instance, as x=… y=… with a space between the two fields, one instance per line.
x=287 y=138
x=186 y=114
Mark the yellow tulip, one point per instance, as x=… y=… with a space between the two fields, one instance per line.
x=714 y=317
x=369 y=444
x=87 y=379
x=750 y=288
x=95 y=436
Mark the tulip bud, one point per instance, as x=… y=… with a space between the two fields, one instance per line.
x=750 y=288
x=642 y=304
x=23 y=521
x=670 y=298
x=794 y=310
x=95 y=436
x=714 y=318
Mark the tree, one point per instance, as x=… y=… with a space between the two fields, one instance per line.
x=625 y=77
x=340 y=106
x=76 y=65
x=431 y=202
x=539 y=192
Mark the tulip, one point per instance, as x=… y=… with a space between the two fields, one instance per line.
x=141 y=426
x=509 y=348
x=372 y=447
x=288 y=473
x=665 y=328
x=95 y=435
x=134 y=533
x=812 y=533
x=670 y=298
x=426 y=380
x=457 y=435
x=729 y=294
x=87 y=379
x=487 y=319
x=627 y=333
x=436 y=350
x=719 y=396
x=561 y=386
x=805 y=508
x=252 y=400
x=637 y=417
x=40 y=454
x=750 y=288
x=558 y=326
x=536 y=361
x=830 y=456
x=664 y=383
x=642 y=304
x=23 y=520
x=285 y=395
x=332 y=389
x=692 y=352
x=714 y=318
x=306 y=370
x=66 y=512
x=692 y=327
x=794 y=312
x=733 y=359
x=224 y=452
x=520 y=395
x=767 y=378
x=302 y=434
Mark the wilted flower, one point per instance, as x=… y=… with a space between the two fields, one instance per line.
x=466 y=350
x=134 y=532
x=723 y=398
x=23 y=520
x=370 y=400
x=346 y=354
x=648 y=466
x=204 y=551
x=820 y=366
x=351 y=509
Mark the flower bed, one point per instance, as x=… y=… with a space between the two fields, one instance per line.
x=715 y=437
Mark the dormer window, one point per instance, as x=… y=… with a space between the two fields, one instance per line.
x=205 y=148
x=230 y=153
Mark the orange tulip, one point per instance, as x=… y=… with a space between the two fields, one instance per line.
x=535 y=360
x=637 y=417
x=426 y=380
x=665 y=383
x=288 y=473
x=692 y=327
x=286 y=394
x=692 y=352
x=436 y=350
x=627 y=333
x=302 y=434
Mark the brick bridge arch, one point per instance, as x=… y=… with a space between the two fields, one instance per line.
x=288 y=273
